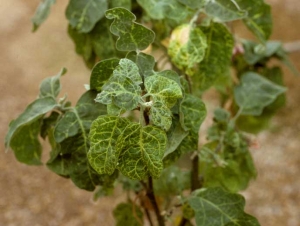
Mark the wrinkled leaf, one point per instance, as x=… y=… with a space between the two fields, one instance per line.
x=216 y=207
x=84 y=14
x=132 y=36
x=42 y=12
x=255 y=92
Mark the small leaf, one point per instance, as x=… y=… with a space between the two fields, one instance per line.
x=103 y=154
x=216 y=207
x=224 y=10
x=141 y=151
x=123 y=88
x=51 y=86
x=193 y=112
x=84 y=14
x=216 y=62
x=259 y=19
x=101 y=73
x=144 y=61
x=187 y=47
x=255 y=92
x=132 y=36
x=41 y=14
x=128 y=214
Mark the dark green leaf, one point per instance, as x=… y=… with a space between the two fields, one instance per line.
x=255 y=92
x=259 y=19
x=51 y=86
x=101 y=73
x=128 y=214
x=141 y=151
x=41 y=13
x=132 y=36
x=218 y=54
x=48 y=123
x=144 y=61
x=120 y=3
x=216 y=207
x=84 y=14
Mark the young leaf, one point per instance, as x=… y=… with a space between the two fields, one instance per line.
x=84 y=14
x=144 y=61
x=127 y=214
x=216 y=207
x=103 y=154
x=224 y=10
x=255 y=92
x=101 y=73
x=141 y=151
x=217 y=58
x=259 y=19
x=187 y=47
x=123 y=88
x=51 y=86
x=193 y=112
x=132 y=36
x=41 y=13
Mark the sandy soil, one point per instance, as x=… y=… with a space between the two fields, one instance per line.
x=33 y=196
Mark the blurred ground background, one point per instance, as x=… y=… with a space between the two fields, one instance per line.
x=32 y=196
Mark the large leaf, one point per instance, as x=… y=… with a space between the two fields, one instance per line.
x=84 y=14
x=128 y=214
x=193 y=112
x=224 y=10
x=259 y=19
x=42 y=12
x=103 y=154
x=217 y=58
x=141 y=151
x=187 y=47
x=123 y=88
x=132 y=36
x=51 y=86
x=32 y=113
x=216 y=207
x=101 y=73
x=255 y=92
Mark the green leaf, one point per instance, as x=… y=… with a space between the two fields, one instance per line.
x=187 y=47
x=41 y=13
x=51 y=86
x=193 y=112
x=216 y=207
x=84 y=14
x=120 y=3
x=48 y=123
x=194 y=4
x=217 y=58
x=32 y=113
x=224 y=10
x=161 y=9
x=144 y=62
x=101 y=73
x=128 y=214
x=259 y=19
x=132 y=36
x=141 y=151
x=123 y=88
x=189 y=143
x=255 y=92
x=103 y=154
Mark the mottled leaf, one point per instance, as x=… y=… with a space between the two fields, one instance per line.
x=128 y=214
x=141 y=151
x=103 y=154
x=216 y=207
x=255 y=92
x=224 y=10
x=51 y=86
x=259 y=19
x=132 y=36
x=84 y=14
x=42 y=12
x=101 y=73
x=187 y=47
x=216 y=62
x=193 y=112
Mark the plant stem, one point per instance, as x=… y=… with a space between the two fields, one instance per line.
x=151 y=196
x=195 y=181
